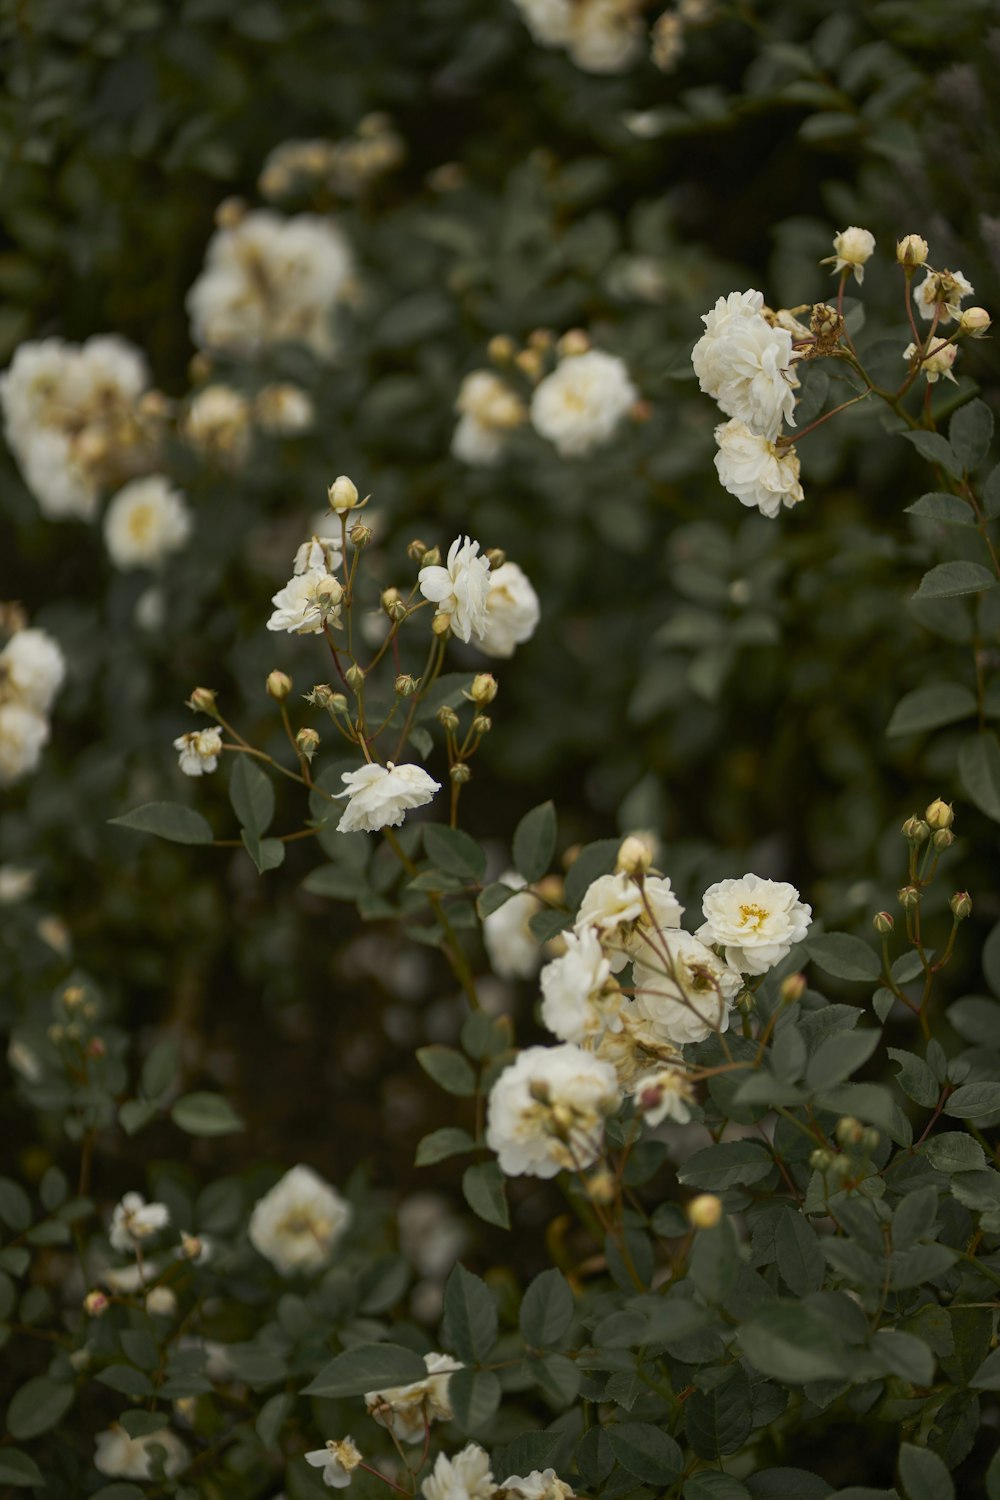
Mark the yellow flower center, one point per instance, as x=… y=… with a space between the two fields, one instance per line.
x=140 y=522
x=753 y=916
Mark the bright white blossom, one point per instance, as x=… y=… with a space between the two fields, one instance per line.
x=337 y=1460
x=683 y=991
x=146 y=521
x=284 y=410
x=746 y=365
x=937 y=364
x=540 y=1484
x=319 y=554
x=940 y=295
x=512 y=611
x=460 y=588
x=270 y=280
x=380 y=796
x=134 y=1220
x=23 y=736
x=32 y=668
x=119 y=1456
x=403 y=1409
x=514 y=951
x=853 y=248
x=580 y=405
x=488 y=410
x=666 y=1094
x=199 y=751
x=601 y=36
x=580 y=1001
x=756 y=921
x=467 y=1476
x=307 y=603
x=218 y=424
x=296 y=1226
x=547 y=1109
x=619 y=908
x=757 y=471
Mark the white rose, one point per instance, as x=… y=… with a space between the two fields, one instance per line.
x=579 y=406
x=756 y=921
x=380 y=796
x=199 y=751
x=404 y=1409
x=756 y=470
x=488 y=410
x=940 y=295
x=607 y=35
x=122 y=1457
x=937 y=364
x=746 y=365
x=459 y=588
x=665 y=1094
x=512 y=611
x=23 y=735
x=682 y=989
x=546 y=1111
x=514 y=951
x=217 y=423
x=338 y=1460
x=32 y=668
x=578 y=1003
x=540 y=1484
x=284 y=410
x=307 y=603
x=135 y=1220
x=619 y=908
x=465 y=1477
x=146 y=521
x=296 y=1226
x=853 y=247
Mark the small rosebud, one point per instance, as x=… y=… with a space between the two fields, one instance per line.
x=191 y=1246
x=841 y=1166
x=530 y=363
x=793 y=987
x=447 y=718
x=541 y=339
x=849 y=1131
x=416 y=550
x=460 y=774
x=484 y=689
x=496 y=557
x=97 y=1047
x=441 y=624
x=432 y=557
x=943 y=839
x=975 y=321
x=355 y=676
x=360 y=534
x=821 y=1160
x=939 y=814
x=161 y=1302
x=869 y=1139
x=202 y=700
x=95 y=1304
x=329 y=592
x=883 y=923
x=573 y=342
x=279 y=685
x=307 y=743
x=501 y=349
x=912 y=250
x=321 y=695
x=342 y=495
x=405 y=685
x=56 y=1034
x=634 y=856
x=915 y=829
x=909 y=897
x=961 y=905
x=482 y=724
x=230 y=213
x=601 y=1187
x=388 y=598
x=704 y=1211
x=73 y=997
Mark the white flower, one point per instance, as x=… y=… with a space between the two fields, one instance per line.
x=512 y=611
x=579 y=406
x=122 y=1457
x=338 y=1460
x=514 y=951
x=135 y=1220
x=547 y=1109
x=937 y=364
x=284 y=410
x=756 y=921
x=619 y=908
x=488 y=409
x=16 y=883
x=745 y=364
x=940 y=295
x=296 y=1226
x=270 y=279
x=32 y=668
x=540 y=1484
x=199 y=751
x=465 y=1477
x=23 y=734
x=308 y=602
x=683 y=991
x=319 y=554
x=217 y=423
x=756 y=470
x=460 y=588
x=380 y=796
x=667 y=39
x=404 y=1409
x=579 y=1000
x=665 y=1094
x=145 y=522
x=161 y=1302
x=601 y=36
x=853 y=247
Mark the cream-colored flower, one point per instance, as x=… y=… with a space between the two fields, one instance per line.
x=134 y=1221
x=580 y=1001
x=146 y=521
x=119 y=1456
x=601 y=36
x=407 y=1409
x=853 y=248
x=32 y=668
x=666 y=1094
x=756 y=921
x=940 y=295
x=460 y=588
x=683 y=991
x=745 y=364
x=512 y=611
x=547 y=1109
x=381 y=796
x=937 y=364
x=465 y=1477
x=514 y=951
x=298 y=1224
x=757 y=471
x=488 y=410
x=308 y=603
x=580 y=405
x=23 y=736
x=199 y=751
x=284 y=410
x=540 y=1484
x=338 y=1460
x=621 y=910
x=218 y=424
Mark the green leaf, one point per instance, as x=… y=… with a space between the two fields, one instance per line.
x=547 y=923
x=798 y=1254
x=267 y=854
x=18 y=1470
x=449 y=1070
x=493 y=897
x=839 y=1056
x=205 y=1114
x=930 y=707
x=646 y=1451
x=272 y=1418
x=160 y=1068
x=970 y=433
x=15 y=1205
x=547 y=1310
x=592 y=861
x=141 y=1423
x=991 y=959
x=715 y=1261
x=252 y=795
x=991 y=494
x=923 y=1474
x=915 y=1216
x=719 y=1421
x=531 y=1450
x=168 y=820
x=950 y=579
x=341 y=882
x=38 y=1405
x=716 y=1168
x=954 y=1151
x=535 y=841
x=485 y=1193
x=453 y=851
x=371 y=1367
x=844 y=956
x=126 y=1381
x=973 y=1100
x=440 y=1144
x=470 y=1316
x=987 y=1376
x=977 y=1020
x=941 y=507
x=915 y=1077
x=979 y=768
x=707 y=1485
x=903 y=1355
x=788 y=1342
x=474 y=1396
x=936 y=449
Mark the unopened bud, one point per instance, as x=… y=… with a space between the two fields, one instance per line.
x=704 y=1211
x=360 y=534
x=976 y=321
x=95 y=1304
x=821 y=1160
x=441 y=624
x=447 y=718
x=202 y=700
x=541 y=339
x=601 y=1187
x=869 y=1138
x=342 y=495
x=279 y=685
x=961 y=905
x=73 y=997
x=56 y=1034
x=321 y=695
x=416 y=550
x=501 y=349
x=388 y=598
x=329 y=592
x=307 y=742
x=539 y=1090
x=155 y=406
x=573 y=342
x=355 y=676
x=793 y=987
x=496 y=557
x=230 y=212
x=460 y=774
x=943 y=839
x=191 y=1246
x=849 y=1131
x=912 y=250
x=840 y=1166
x=909 y=897
x=97 y=1047
x=482 y=724
x=530 y=363
x=405 y=685
x=483 y=689
x=915 y=829
x=432 y=557
x=939 y=814
x=634 y=856
x=883 y=923
x=161 y=1302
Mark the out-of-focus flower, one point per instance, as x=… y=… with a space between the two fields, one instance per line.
x=337 y=1460
x=488 y=410
x=757 y=471
x=380 y=796
x=601 y=36
x=23 y=736
x=405 y=1409
x=32 y=668
x=547 y=1109
x=122 y=1457
x=460 y=588
x=512 y=611
x=579 y=406
x=218 y=424
x=134 y=1220
x=145 y=522
x=514 y=951
x=665 y=1094
x=284 y=410
x=296 y=1226
x=199 y=751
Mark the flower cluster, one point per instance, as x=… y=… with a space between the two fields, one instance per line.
x=32 y=668
x=345 y=167
x=600 y=36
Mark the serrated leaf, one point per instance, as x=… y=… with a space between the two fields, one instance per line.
x=949 y=580
x=531 y=1450
x=371 y=1367
x=839 y=1056
x=954 y=1151
x=720 y=1420
x=470 y=1316
x=797 y=1252
x=787 y=1341
x=453 y=851
x=915 y=1077
x=938 y=506
x=251 y=795
x=167 y=820
x=546 y=1310
x=930 y=707
x=535 y=841
x=936 y=449
x=485 y=1193
x=440 y=1144
x=449 y=1070
x=970 y=433
x=979 y=768
x=973 y=1100
x=646 y=1451
x=203 y=1113
x=473 y=1396
x=716 y=1168
x=844 y=956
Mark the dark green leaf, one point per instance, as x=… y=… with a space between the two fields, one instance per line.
x=930 y=707
x=341 y=882
x=440 y=1144
x=719 y=1421
x=954 y=1151
x=15 y=1205
x=371 y=1367
x=168 y=820
x=547 y=923
x=716 y=1168
x=252 y=795
x=485 y=1193
x=707 y=1485
x=970 y=433
x=470 y=1316
x=973 y=1100
x=977 y=1020
x=20 y=1471
x=941 y=507
x=987 y=1376
x=979 y=768
x=547 y=1310
x=453 y=851
x=531 y=1450
x=936 y=449
x=449 y=1070
x=535 y=841
x=844 y=956
x=205 y=1114
x=38 y=1405
x=798 y=1254
x=126 y=1381
x=592 y=861
x=903 y=1355
x=839 y=1056
x=160 y=1068
x=272 y=1418
x=788 y=1342
x=493 y=897
x=924 y=1476
x=915 y=1077
x=267 y=854
x=474 y=1396
x=646 y=1451
x=949 y=580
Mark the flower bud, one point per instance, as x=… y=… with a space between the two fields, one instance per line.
x=360 y=534
x=321 y=695
x=279 y=685
x=441 y=624
x=388 y=598
x=355 y=676
x=230 y=213
x=821 y=1160
x=95 y=1304
x=484 y=689
x=539 y=1090
x=961 y=905
x=915 y=829
x=869 y=1139
x=530 y=363
x=496 y=557
x=307 y=742
x=634 y=856
x=840 y=1166
x=416 y=550
x=975 y=321
x=849 y=1131
x=73 y=997
x=447 y=718
x=793 y=987
x=342 y=495
x=460 y=774
x=161 y=1302
x=912 y=250
x=601 y=1187
x=97 y=1047
x=573 y=342
x=704 y=1211
x=191 y=1246
x=202 y=700
x=943 y=839
x=939 y=814
x=501 y=349
x=883 y=923
x=56 y=1034
x=482 y=724
x=405 y=685
x=431 y=557
x=909 y=897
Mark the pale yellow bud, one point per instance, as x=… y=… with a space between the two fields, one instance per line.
x=279 y=685
x=355 y=676
x=909 y=897
x=939 y=814
x=916 y=830
x=230 y=213
x=883 y=922
x=541 y=339
x=330 y=591
x=441 y=624
x=601 y=1187
x=73 y=997
x=573 y=342
x=501 y=349
x=975 y=321
x=704 y=1211
x=634 y=856
x=912 y=250
x=484 y=688
x=416 y=550
x=530 y=363
x=942 y=839
x=849 y=1131
x=447 y=718
x=161 y=1302
x=482 y=724
x=961 y=905
x=460 y=774
x=202 y=700
x=307 y=742
x=496 y=557
x=95 y=1304
x=431 y=557
x=405 y=685
x=793 y=987
x=342 y=495
x=360 y=534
